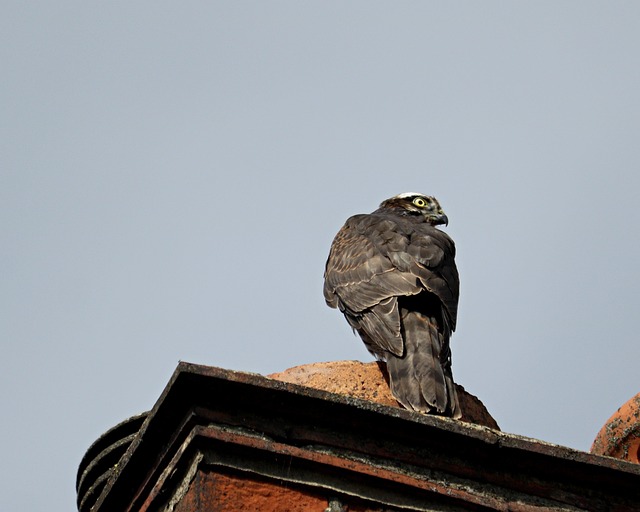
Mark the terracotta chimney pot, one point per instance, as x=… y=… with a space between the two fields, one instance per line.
x=620 y=435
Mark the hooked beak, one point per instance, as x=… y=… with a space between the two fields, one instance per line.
x=440 y=218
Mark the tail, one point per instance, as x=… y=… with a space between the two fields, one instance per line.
x=421 y=380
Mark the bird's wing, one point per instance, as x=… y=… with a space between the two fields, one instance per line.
x=376 y=258
x=431 y=254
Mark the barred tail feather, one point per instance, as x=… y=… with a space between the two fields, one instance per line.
x=421 y=379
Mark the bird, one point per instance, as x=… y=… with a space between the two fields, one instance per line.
x=392 y=273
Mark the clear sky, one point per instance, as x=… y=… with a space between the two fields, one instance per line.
x=172 y=175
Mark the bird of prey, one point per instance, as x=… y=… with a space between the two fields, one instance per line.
x=392 y=274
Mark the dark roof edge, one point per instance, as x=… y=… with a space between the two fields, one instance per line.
x=486 y=434
x=243 y=398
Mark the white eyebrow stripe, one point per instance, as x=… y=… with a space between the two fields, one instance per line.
x=409 y=194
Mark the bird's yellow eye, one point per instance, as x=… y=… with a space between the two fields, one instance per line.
x=420 y=202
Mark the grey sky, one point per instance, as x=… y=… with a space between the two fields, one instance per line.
x=172 y=175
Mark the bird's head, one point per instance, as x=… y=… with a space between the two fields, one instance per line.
x=412 y=203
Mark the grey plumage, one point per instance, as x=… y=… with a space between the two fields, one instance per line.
x=392 y=274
